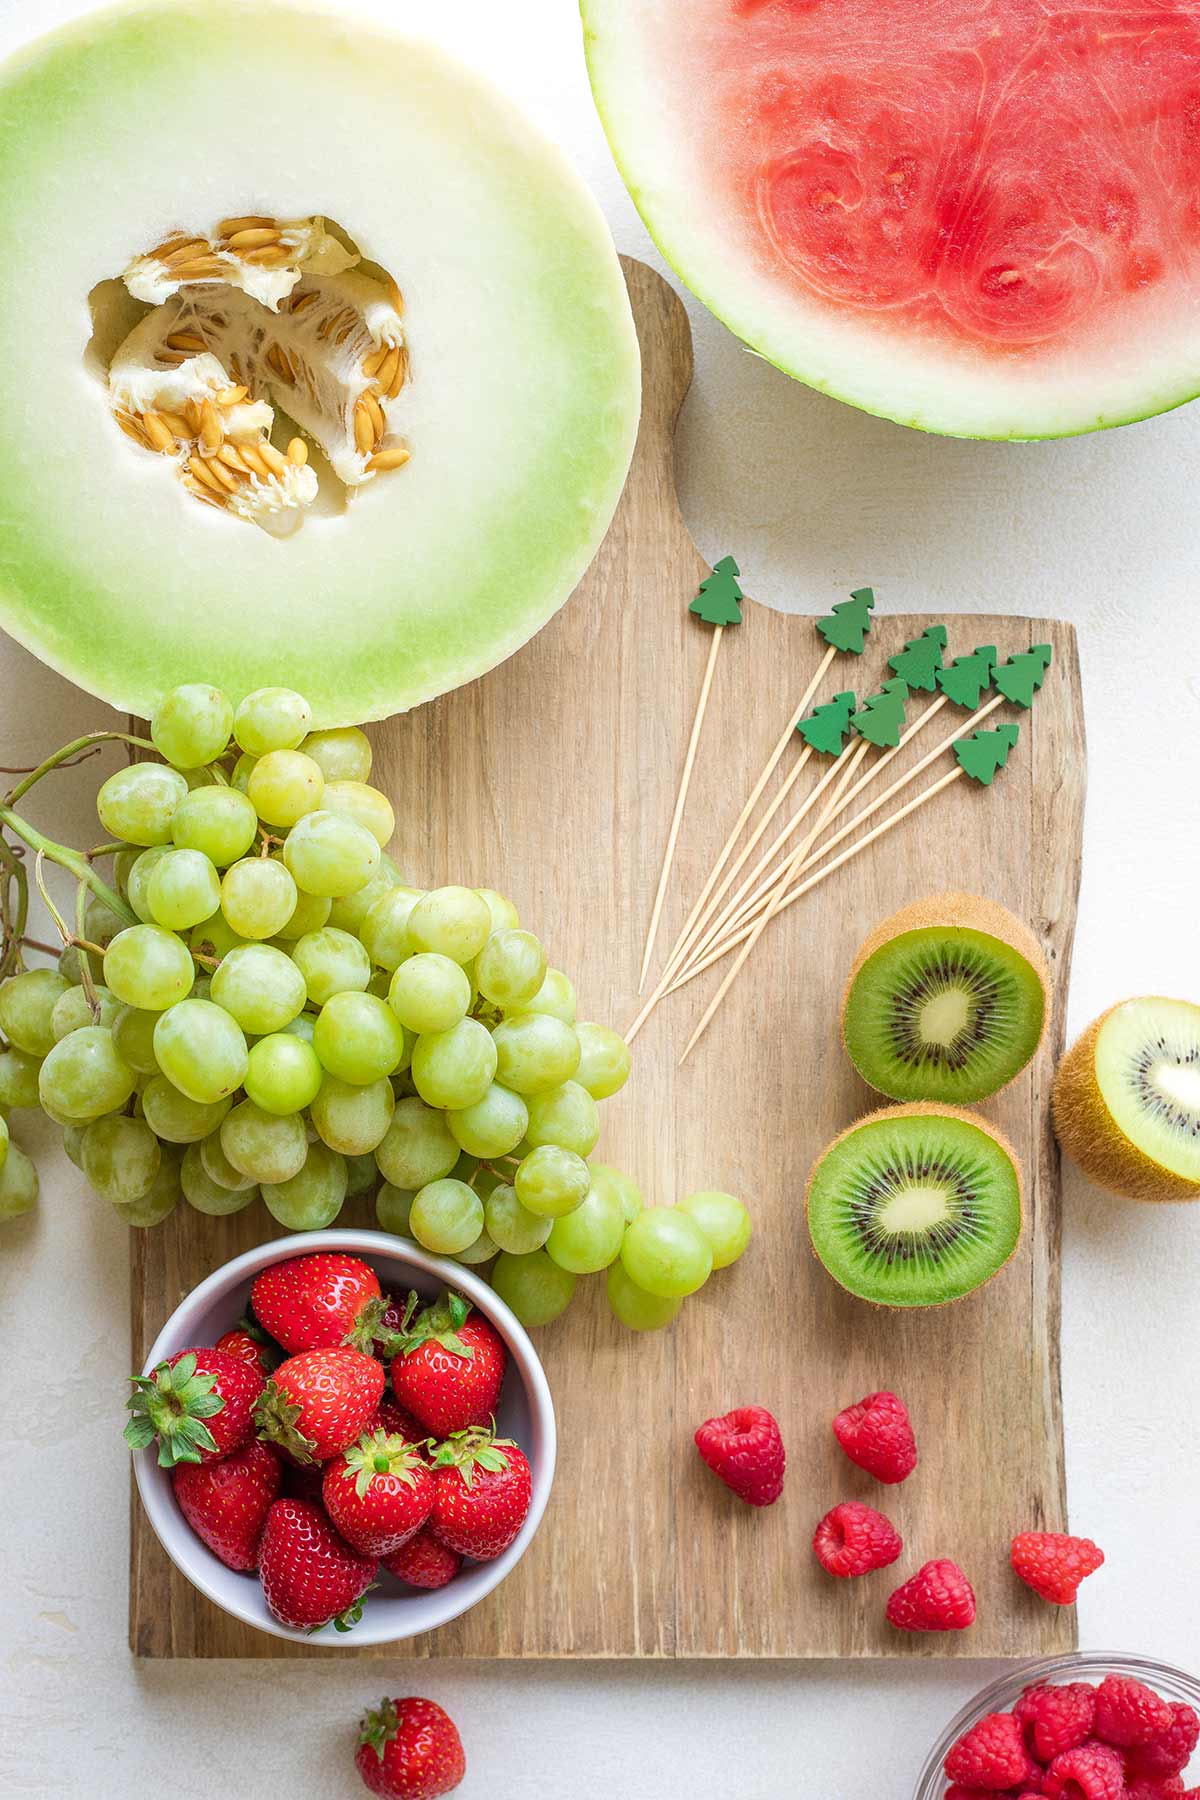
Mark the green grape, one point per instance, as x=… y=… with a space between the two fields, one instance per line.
x=121 y=1156
x=3 y=1140
x=310 y=912
x=191 y=726
x=73 y=1009
x=313 y=1197
x=133 y=1033
x=429 y=992
x=535 y=1052
x=258 y=897
x=217 y=821
x=260 y=987
x=159 y=1200
x=510 y=968
x=476 y=1175
x=138 y=804
x=624 y=1187
x=454 y=1068
x=446 y=1216
x=384 y=927
x=566 y=1116
x=481 y=1251
x=215 y=938
x=633 y=1306
x=18 y=1077
x=176 y=1119
x=393 y=1207
x=283 y=1074
x=84 y=1077
x=358 y=1038
x=330 y=855
x=417 y=1147
x=454 y=921
x=183 y=890
x=512 y=1226
x=556 y=997
x=123 y=865
x=724 y=1221
x=352 y=1120
x=533 y=1287
x=331 y=962
x=271 y=718
x=27 y=1005
x=218 y=1167
x=493 y=1126
x=379 y=984
x=366 y=805
x=201 y=1050
x=206 y=1195
x=264 y=1146
x=666 y=1252
x=149 y=968
x=284 y=785
x=101 y=924
x=137 y=889
x=603 y=1061
x=552 y=1182
x=71 y=962
x=362 y=1173
x=18 y=1185
x=304 y=1026
x=503 y=913
x=242 y=769
x=589 y=1239
x=344 y=754
x=350 y=911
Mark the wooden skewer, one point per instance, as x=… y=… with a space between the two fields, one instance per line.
x=681 y=800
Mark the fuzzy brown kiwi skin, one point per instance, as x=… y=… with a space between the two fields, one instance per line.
x=923 y=1109
x=1090 y=1136
x=964 y=912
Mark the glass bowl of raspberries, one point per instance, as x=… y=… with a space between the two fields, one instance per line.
x=341 y=1436
x=1079 y=1727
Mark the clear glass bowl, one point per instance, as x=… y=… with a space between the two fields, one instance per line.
x=1003 y=1695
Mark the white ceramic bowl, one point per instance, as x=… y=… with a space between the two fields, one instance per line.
x=392 y=1611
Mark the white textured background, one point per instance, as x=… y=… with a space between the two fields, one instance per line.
x=813 y=497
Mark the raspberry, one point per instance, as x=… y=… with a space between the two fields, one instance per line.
x=1092 y=1772
x=992 y=1754
x=1141 y=1787
x=877 y=1434
x=1171 y=1753
x=957 y=1792
x=1053 y=1564
x=1128 y=1712
x=854 y=1539
x=1056 y=1719
x=937 y=1598
x=745 y=1449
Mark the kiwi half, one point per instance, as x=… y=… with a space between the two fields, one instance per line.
x=1127 y=1100
x=915 y=1206
x=947 y=1000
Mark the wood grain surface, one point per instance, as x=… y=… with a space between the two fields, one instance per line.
x=554 y=779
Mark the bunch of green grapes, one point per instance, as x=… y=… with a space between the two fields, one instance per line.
x=263 y=1007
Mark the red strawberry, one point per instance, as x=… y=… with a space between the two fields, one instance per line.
x=1129 y=1713
x=1053 y=1564
x=197 y=1404
x=937 y=1598
x=255 y=1353
x=991 y=1755
x=877 y=1434
x=310 y=1576
x=396 y=1419
x=302 y=1481
x=448 y=1364
x=1056 y=1719
x=1171 y=1753
x=1093 y=1772
x=319 y=1401
x=226 y=1502
x=854 y=1540
x=482 y=1490
x=318 y=1302
x=378 y=1492
x=744 y=1448
x=423 y=1562
x=409 y=1750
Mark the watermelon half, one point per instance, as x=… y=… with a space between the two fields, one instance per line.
x=417 y=294
x=975 y=218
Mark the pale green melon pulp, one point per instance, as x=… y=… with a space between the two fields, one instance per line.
x=520 y=416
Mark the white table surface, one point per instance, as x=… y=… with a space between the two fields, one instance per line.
x=814 y=498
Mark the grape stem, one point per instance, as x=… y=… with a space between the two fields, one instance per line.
x=14 y=909
x=71 y=860
x=68 y=753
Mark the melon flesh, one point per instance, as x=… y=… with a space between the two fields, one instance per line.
x=981 y=219
x=517 y=413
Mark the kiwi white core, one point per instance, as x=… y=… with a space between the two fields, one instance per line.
x=914 y=1209
x=1148 y=1071
x=945 y=1017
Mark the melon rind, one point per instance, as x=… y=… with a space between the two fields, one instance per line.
x=521 y=415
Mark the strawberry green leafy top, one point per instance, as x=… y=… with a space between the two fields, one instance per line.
x=171 y=1404
x=717 y=601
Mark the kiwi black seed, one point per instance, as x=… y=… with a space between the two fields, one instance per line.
x=915 y=1206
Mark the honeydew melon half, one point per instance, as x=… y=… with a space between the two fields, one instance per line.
x=460 y=428
x=976 y=219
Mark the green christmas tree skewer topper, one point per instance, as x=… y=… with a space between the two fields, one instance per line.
x=881 y=717
x=1022 y=675
x=717 y=601
x=847 y=626
x=968 y=678
x=826 y=727
x=921 y=658
x=984 y=752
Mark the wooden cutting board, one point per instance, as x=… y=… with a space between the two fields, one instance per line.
x=554 y=779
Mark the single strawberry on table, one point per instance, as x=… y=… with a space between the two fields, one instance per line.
x=409 y=1750
x=226 y=1502
x=422 y=1562
x=937 y=1598
x=854 y=1539
x=378 y=1493
x=448 y=1364
x=1054 y=1564
x=310 y=1575
x=196 y=1405
x=877 y=1435
x=482 y=1490
x=319 y=1401
x=319 y=1302
x=744 y=1449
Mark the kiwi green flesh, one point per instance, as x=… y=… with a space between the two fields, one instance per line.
x=915 y=1211
x=1148 y=1071
x=943 y=1013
